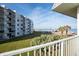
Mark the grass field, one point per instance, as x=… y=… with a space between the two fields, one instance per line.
x=26 y=41
x=14 y=45
x=17 y=43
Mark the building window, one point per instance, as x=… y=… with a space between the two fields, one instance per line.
x=9 y=19
x=18 y=20
x=17 y=24
x=0 y=37
x=21 y=20
x=9 y=13
x=1 y=31
x=21 y=24
x=18 y=33
x=21 y=28
x=9 y=29
x=9 y=24
x=17 y=28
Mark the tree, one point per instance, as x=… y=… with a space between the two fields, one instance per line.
x=67 y=28
x=61 y=29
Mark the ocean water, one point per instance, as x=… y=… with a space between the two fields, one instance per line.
x=74 y=30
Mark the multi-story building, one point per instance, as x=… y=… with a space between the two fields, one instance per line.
x=28 y=26
x=13 y=24
x=19 y=25
x=7 y=23
x=10 y=17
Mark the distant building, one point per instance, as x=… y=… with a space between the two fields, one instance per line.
x=28 y=26
x=19 y=25
x=13 y=24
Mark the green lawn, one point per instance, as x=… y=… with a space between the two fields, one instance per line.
x=14 y=45
x=18 y=43
x=23 y=42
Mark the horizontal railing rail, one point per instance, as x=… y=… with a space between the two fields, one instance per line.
x=54 y=48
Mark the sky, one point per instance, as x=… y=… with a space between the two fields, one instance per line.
x=42 y=15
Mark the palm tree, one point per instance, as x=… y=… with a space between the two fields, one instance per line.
x=67 y=28
x=61 y=29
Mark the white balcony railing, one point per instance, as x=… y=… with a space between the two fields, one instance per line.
x=63 y=47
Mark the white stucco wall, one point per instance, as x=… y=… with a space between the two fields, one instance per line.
x=18 y=28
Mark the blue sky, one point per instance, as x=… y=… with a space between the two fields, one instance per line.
x=42 y=15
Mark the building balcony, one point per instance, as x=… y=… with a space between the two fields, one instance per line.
x=11 y=24
x=1 y=28
x=1 y=31
x=11 y=16
x=11 y=21
x=11 y=30
x=63 y=47
x=1 y=23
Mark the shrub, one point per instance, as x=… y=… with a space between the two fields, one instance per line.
x=44 y=39
x=56 y=37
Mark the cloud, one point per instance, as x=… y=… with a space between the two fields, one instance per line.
x=46 y=19
x=39 y=15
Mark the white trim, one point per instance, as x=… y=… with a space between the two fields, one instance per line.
x=78 y=21
x=35 y=47
x=56 y=5
x=62 y=48
x=77 y=41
